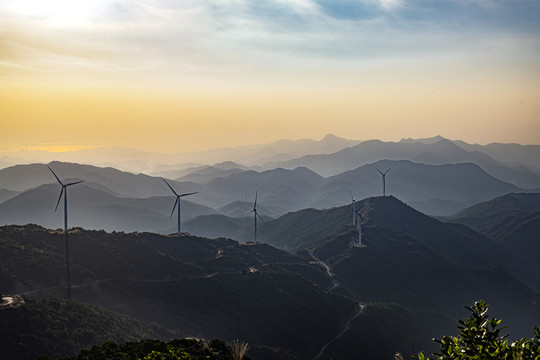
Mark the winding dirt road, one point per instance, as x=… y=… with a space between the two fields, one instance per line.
x=334 y=285
x=342 y=332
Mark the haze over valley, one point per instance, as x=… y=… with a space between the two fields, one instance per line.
x=306 y=274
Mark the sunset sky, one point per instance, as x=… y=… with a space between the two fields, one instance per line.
x=177 y=76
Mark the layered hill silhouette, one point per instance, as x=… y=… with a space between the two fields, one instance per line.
x=137 y=161
x=432 y=189
x=116 y=182
x=437 y=152
x=405 y=248
x=414 y=275
x=512 y=220
x=92 y=208
x=113 y=200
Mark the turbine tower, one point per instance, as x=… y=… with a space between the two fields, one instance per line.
x=383 y=180
x=255 y=215
x=64 y=192
x=353 y=208
x=359 y=228
x=177 y=202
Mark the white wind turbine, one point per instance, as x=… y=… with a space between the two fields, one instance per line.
x=383 y=180
x=64 y=192
x=177 y=202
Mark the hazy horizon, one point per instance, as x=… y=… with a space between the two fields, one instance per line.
x=176 y=77
x=75 y=148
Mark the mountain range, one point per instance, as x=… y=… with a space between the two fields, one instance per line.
x=512 y=220
x=514 y=163
x=460 y=223
x=412 y=277
x=115 y=200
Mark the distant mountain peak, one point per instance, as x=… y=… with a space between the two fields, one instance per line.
x=228 y=165
x=329 y=136
x=332 y=138
x=430 y=140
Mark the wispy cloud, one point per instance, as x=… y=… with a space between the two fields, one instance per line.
x=191 y=38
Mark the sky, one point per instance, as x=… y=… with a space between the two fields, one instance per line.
x=178 y=76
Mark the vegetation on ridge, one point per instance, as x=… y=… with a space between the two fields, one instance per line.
x=480 y=338
x=178 y=349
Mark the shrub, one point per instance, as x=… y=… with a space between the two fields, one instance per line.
x=480 y=339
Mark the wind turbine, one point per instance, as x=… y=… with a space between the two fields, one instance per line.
x=178 y=202
x=255 y=215
x=353 y=204
x=383 y=180
x=64 y=192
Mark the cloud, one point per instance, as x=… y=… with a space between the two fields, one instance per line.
x=205 y=38
x=391 y=4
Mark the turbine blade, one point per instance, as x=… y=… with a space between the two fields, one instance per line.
x=76 y=182
x=170 y=187
x=259 y=216
x=174 y=207
x=55 y=176
x=352 y=197
x=380 y=171
x=59 y=198
x=187 y=194
x=255 y=204
x=386 y=171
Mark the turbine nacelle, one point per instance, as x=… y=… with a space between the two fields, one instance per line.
x=383 y=173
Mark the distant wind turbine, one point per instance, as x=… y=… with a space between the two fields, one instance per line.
x=255 y=215
x=64 y=192
x=383 y=180
x=177 y=202
x=353 y=205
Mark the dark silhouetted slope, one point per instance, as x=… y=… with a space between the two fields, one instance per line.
x=512 y=220
x=210 y=288
x=58 y=328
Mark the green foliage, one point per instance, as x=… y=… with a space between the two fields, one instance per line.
x=171 y=354
x=480 y=339
x=178 y=349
